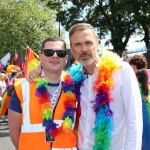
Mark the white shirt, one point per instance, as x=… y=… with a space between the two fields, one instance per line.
x=126 y=108
x=2 y=88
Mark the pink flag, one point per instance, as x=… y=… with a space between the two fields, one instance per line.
x=148 y=71
x=20 y=61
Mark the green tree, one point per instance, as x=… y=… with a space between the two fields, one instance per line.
x=141 y=12
x=25 y=22
x=116 y=18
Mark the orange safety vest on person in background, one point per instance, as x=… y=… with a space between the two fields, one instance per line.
x=4 y=104
x=32 y=135
x=6 y=98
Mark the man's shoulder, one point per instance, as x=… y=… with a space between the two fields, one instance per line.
x=125 y=65
x=125 y=71
x=20 y=85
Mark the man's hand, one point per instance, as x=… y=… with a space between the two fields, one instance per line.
x=33 y=74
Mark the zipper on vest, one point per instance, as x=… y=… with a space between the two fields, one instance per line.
x=51 y=144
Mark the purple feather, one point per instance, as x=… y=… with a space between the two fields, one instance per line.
x=49 y=125
x=108 y=112
x=100 y=98
x=41 y=91
x=77 y=90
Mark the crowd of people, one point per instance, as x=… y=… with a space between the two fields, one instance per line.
x=7 y=79
x=99 y=103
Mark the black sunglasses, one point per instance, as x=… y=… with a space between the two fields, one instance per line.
x=51 y=52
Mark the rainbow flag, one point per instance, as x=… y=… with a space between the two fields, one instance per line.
x=32 y=61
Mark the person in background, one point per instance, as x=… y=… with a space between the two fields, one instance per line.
x=3 y=81
x=138 y=62
x=42 y=116
x=143 y=84
x=11 y=77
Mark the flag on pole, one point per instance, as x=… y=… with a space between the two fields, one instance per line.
x=5 y=59
x=31 y=61
x=14 y=59
x=1 y=66
x=20 y=61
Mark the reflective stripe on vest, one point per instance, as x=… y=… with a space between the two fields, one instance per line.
x=27 y=126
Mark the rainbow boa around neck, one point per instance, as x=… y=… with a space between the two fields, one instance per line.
x=51 y=127
x=107 y=65
x=103 y=87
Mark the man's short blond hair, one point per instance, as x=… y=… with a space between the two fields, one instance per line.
x=81 y=27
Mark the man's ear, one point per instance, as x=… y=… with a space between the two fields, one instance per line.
x=98 y=41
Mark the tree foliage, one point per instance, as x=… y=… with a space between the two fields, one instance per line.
x=119 y=18
x=24 y=22
x=141 y=12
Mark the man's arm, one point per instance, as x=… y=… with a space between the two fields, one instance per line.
x=133 y=109
x=14 y=121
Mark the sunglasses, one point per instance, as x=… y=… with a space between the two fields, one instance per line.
x=51 y=52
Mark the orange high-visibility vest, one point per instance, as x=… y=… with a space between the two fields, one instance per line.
x=32 y=135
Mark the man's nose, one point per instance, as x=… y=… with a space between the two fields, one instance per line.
x=55 y=54
x=84 y=48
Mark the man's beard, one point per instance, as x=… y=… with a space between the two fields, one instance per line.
x=87 y=62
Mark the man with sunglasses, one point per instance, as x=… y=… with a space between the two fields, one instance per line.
x=110 y=101
x=44 y=121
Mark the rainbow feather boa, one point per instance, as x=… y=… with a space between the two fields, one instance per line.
x=103 y=86
x=45 y=105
